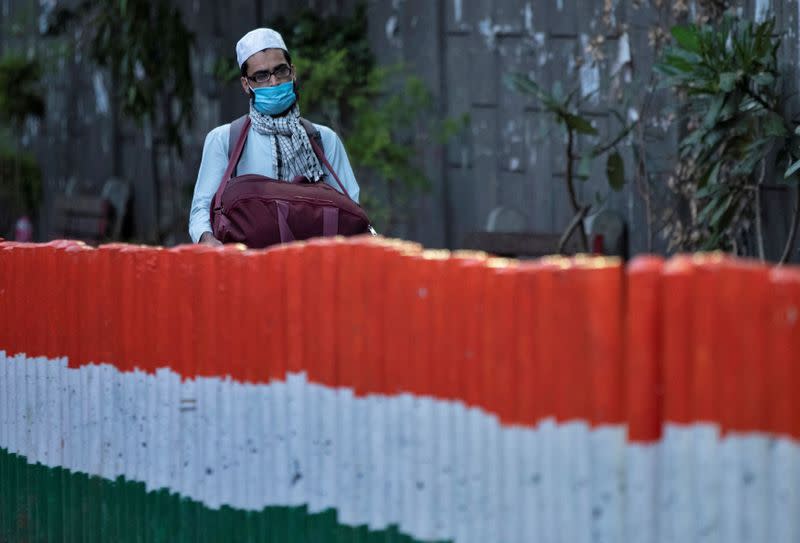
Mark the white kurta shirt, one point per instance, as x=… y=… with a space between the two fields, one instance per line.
x=256 y=159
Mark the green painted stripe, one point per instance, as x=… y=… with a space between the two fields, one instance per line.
x=39 y=503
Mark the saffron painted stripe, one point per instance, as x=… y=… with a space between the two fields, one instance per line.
x=247 y=447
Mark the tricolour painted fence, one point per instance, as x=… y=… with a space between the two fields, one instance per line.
x=368 y=390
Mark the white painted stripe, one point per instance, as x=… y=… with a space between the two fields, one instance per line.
x=754 y=472
x=437 y=469
x=641 y=511
x=783 y=521
x=607 y=449
x=707 y=480
x=731 y=492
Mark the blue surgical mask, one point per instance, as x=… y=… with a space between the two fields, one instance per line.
x=274 y=100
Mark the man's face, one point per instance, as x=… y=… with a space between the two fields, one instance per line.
x=267 y=69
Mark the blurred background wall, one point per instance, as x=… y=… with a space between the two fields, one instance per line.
x=507 y=163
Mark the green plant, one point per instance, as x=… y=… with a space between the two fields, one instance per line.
x=566 y=112
x=20 y=99
x=384 y=115
x=20 y=181
x=727 y=76
x=151 y=76
x=146 y=48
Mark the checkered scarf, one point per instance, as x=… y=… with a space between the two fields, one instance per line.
x=289 y=142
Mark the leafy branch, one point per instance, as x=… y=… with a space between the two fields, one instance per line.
x=20 y=99
x=728 y=74
x=565 y=110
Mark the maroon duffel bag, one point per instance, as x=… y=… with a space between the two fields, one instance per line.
x=259 y=211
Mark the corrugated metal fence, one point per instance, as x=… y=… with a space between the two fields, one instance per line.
x=370 y=390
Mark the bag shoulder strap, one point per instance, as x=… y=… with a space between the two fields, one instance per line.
x=311 y=130
x=234 y=154
x=316 y=143
x=234 y=132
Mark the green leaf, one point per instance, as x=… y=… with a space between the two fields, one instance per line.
x=764 y=79
x=727 y=81
x=718 y=214
x=714 y=110
x=677 y=63
x=523 y=84
x=706 y=211
x=585 y=167
x=711 y=180
x=615 y=170
x=792 y=169
x=558 y=91
x=579 y=124
x=686 y=37
x=708 y=190
x=773 y=126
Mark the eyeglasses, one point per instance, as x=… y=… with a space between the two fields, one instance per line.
x=281 y=72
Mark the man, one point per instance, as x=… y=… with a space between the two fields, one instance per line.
x=277 y=144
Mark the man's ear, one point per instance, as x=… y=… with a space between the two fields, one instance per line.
x=245 y=86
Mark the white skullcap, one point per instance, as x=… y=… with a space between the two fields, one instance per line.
x=258 y=40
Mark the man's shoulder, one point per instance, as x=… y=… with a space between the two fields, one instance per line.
x=326 y=132
x=219 y=132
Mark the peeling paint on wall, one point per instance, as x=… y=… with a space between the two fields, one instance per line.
x=486 y=30
x=543 y=55
x=613 y=13
x=393 y=31
x=527 y=14
x=762 y=10
x=589 y=74
x=138 y=71
x=30 y=130
x=46 y=8
x=489 y=31
x=101 y=100
x=623 y=60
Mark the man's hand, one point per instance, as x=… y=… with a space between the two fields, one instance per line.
x=208 y=239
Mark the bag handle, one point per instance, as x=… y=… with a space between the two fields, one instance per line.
x=232 y=162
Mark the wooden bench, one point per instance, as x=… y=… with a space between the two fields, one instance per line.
x=90 y=218
x=517 y=244
x=81 y=217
